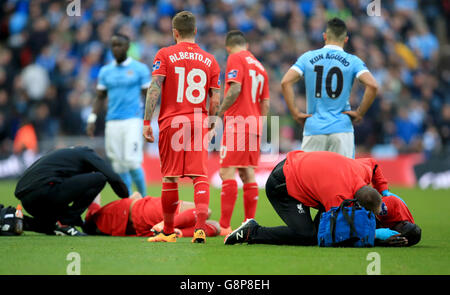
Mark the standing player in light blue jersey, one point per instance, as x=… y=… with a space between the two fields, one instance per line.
x=124 y=82
x=329 y=73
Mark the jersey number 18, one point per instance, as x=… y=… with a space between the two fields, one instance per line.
x=192 y=85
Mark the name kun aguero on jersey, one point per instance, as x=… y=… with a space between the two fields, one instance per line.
x=191 y=56
x=337 y=57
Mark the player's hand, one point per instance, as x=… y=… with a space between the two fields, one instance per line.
x=211 y=132
x=301 y=117
x=355 y=116
x=90 y=129
x=384 y=233
x=394 y=241
x=148 y=133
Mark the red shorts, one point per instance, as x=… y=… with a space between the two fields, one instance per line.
x=112 y=218
x=146 y=213
x=239 y=150
x=182 y=150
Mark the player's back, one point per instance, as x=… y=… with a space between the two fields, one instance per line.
x=329 y=73
x=244 y=68
x=189 y=74
x=324 y=177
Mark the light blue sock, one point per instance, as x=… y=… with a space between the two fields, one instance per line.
x=126 y=177
x=139 y=179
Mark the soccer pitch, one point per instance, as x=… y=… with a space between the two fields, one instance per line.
x=38 y=254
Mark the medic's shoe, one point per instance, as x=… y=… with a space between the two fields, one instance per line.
x=67 y=230
x=162 y=237
x=242 y=234
x=199 y=236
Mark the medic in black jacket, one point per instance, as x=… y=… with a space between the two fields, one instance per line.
x=60 y=186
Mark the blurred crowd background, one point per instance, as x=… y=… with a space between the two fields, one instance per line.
x=49 y=62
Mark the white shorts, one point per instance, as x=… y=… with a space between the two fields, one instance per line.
x=341 y=143
x=124 y=144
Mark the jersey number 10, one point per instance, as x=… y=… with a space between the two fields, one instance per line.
x=334 y=71
x=192 y=85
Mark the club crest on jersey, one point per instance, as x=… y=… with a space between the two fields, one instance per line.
x=130 y=73
x=156 y=65
x=232 y=74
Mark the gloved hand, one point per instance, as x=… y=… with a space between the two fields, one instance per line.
x=387 y=193
x=384 y=233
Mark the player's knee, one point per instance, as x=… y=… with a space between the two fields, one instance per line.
x=247 y=175
x=226 y=173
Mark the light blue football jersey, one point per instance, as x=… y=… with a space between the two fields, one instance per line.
x=123 y=83
x=329 y=73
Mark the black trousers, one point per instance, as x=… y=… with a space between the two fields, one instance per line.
x=300 y=229
x=63 y=202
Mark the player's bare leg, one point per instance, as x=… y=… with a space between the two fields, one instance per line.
x=247 y=175
x=228 y=198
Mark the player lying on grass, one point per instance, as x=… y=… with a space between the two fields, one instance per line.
x=322 y=180
x=141 y=216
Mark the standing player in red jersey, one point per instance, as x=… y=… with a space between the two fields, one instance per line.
x=184 y=75
x=246 y=100
x=320 y=180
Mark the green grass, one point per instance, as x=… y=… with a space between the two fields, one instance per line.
x=34 y=253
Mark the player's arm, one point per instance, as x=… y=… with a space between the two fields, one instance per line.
x=264 y=106
x=99 y=101
x=370 y=93
x=153 y=94
x=214 y=101
x=287 y=88
x=98 y=164
x=232 y=94
x=264 y=103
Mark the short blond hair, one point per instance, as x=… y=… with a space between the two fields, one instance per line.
x=184 y=22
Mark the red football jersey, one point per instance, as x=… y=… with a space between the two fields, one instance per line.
x=244 y=68
x=328 y=178
x=396 y=211
x=190 y=73
x=146 y=213
x=112 y=218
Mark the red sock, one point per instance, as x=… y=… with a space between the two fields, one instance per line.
x=169 y=201
x=227 y=200
x=250 y=199
x=186 y=218
x=201 y=200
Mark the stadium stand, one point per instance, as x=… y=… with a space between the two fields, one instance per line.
x=49 y=60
